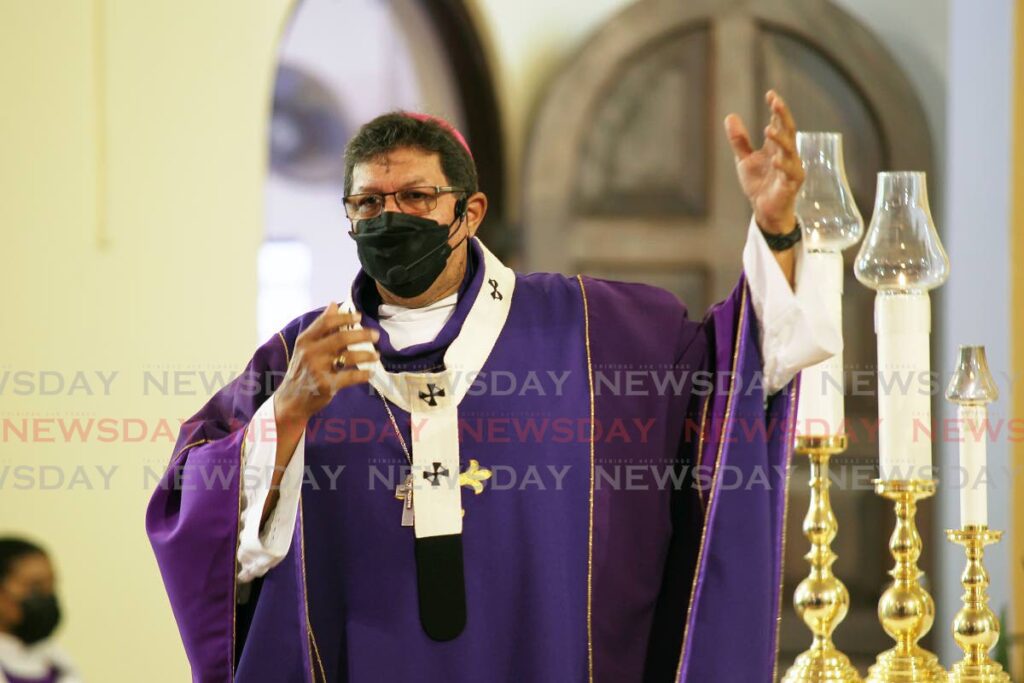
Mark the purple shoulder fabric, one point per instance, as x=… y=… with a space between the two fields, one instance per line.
x=685 y=564
x=736 y=590
x=644 y=351
x=192 y=518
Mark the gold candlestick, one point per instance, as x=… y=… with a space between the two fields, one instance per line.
x=906 y=610
x=821 y=599
x=976 y=628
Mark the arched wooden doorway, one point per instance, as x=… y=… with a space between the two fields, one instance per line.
x=628 y=176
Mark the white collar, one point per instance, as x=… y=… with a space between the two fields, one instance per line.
x=410 y=326
x=20 y=659
x=396 y=312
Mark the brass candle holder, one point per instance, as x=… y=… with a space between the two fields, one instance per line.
x=906 y=610
x=821 y=599
x=976 y=628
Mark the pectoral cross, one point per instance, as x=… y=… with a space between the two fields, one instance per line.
x=474 y=478
x=403 y=492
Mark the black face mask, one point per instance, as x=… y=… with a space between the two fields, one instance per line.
x=405 y=254
x=40 y=614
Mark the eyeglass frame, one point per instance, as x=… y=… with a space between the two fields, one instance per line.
x=439 y=189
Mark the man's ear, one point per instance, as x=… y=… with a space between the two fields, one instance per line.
x=8 y=609
x=476 y=209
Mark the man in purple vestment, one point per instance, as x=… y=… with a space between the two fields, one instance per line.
x=463 y=473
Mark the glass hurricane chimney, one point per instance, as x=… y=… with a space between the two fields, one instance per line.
x=902 y=251
x=825 y=205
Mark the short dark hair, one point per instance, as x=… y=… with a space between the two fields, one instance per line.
x=397 y=129
x=13 y=549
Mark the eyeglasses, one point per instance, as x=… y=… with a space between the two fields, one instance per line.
x=413 y=200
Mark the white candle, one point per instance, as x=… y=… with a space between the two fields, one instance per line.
x=821 y=408
x=973 y=501
x=903 y=326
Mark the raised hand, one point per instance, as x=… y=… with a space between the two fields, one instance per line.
x=314 y=374
x=321 y=366
x=770 y=176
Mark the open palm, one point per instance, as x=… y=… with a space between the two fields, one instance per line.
x=770 y=176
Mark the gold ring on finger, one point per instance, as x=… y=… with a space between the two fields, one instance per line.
x=341 y=361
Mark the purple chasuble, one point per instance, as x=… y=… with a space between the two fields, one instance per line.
x=610 y=544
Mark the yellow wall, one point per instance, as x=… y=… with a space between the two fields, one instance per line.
x=186 y=95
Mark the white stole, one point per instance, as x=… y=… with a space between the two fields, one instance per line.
x=433 y=399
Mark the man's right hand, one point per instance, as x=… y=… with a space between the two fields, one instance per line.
x=314 y=376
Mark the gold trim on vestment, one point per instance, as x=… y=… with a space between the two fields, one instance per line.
x=287 y=353
x=700 y=444
x=590 y=526
x=234 y=557
x=788 y=445
x=714 y=481
x=185 y=448
x=311 y=646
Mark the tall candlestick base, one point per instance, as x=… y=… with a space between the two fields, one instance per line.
x=821 y=599
x=976 y=628
x=906 y=610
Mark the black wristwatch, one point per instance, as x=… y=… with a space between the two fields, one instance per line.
x=783 y=242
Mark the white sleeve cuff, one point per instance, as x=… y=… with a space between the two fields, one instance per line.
x=259 y=552
x=796 y=328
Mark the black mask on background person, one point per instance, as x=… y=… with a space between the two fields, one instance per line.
x=40 y=614
x=404 y=253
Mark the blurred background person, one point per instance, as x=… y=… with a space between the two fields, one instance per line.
x=29 y=614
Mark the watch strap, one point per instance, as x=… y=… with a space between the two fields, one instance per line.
x=783 y=242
